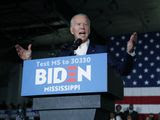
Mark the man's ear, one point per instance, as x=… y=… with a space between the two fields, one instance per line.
x=71 y=30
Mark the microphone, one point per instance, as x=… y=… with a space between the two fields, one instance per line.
x=76 y=43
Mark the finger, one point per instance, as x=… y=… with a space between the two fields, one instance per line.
x=134 y=35
x=18 y=50
x=134 y=38
x=29 y=46
x=18 y=47
x=20 y=53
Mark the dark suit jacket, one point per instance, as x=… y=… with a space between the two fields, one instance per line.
x=124 y=68
x=134 y=115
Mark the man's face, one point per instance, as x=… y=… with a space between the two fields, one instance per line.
x=131 y=107
x=118 y=108
x=80 y=27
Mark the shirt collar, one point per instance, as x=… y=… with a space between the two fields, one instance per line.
x=85 y=44
x=82 y=49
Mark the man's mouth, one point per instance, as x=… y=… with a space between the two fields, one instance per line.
x=82 y=33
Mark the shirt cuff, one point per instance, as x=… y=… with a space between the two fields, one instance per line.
x=132 y=53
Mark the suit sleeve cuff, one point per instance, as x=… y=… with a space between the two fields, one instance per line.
x=132 y=53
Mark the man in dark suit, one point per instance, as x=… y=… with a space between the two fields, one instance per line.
x=80 y=29
x=131 y=112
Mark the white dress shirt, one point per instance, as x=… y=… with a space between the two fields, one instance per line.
x=82 y=49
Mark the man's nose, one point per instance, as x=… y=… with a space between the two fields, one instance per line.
x=82 y=26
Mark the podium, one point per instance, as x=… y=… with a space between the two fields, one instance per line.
x=72 y=88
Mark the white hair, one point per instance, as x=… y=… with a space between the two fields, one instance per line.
x=80 y=14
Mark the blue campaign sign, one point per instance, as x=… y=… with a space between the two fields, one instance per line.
x=65 y=75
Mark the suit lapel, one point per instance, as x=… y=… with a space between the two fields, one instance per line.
x=91 y=48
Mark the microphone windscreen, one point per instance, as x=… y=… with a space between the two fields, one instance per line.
x=76 y=43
